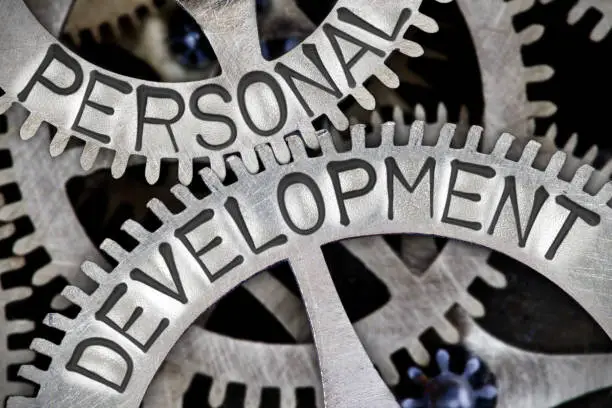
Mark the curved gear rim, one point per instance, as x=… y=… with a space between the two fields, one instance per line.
x=586 y=187
x=16 y=73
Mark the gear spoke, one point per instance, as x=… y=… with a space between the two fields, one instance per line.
x=349 y=377
x=231 y=29
x=560 y=378
x=284 y=305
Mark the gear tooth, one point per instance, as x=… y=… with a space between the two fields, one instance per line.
x=218 y=166
x=59 y=321
x=472 y=305
x=30 y=126
x=5 y=103
x=250 y=160
x=398 y=116
x=10 y=212
x=419 y=113
x=21 y=402
x=182 y=193
x=447 y=331
x=418 y=352
x=95 y=272
x=7 y=231
x=266 y=156
x=600 y=31
x=152 y=170
x=120 y=164
x=591 y=155
x=376 y=120
x=211 y=179
x=29 y=372
x=364 y=98
x=531 y=34
x=582 y=176
x=387 y=77
x=530 y=152
x=135 y=230
x=551 y=132
x=542 y=109
x=387 y=134
x=337 y=118
x=19 y=293
x=446 y=135
x=19 y=326
x=11 y=264
x=75 y=295
x=556 y=163
x=217 y=393
x=575 y=14
x=492 y=276
x=539 y=73
x=296 y=147
x=358 y=136
x=185 y=170
x=605 y=194
x=44 y=346
x=237 y=166
x=288 y=398
x=114 y=250
x=25 y=245
x=417 y=130
x=89 y=155
x=442 y=113
x=606 y=170
x=473 y=138
x=503 y=144
x=160 y=210
x=571 y=144
x=425 y=23
x=59 y=142
x=281 y=151
x=48 y=272
x=325 y=141
x=411 y=49
x=252 y=399
x=309 y=135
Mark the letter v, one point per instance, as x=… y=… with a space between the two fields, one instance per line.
x=166 y=252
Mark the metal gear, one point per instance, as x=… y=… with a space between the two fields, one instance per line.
x=8 y=327
x=603 y=27
x=282 y=19
x=564 y=239
x=504 y=76
x=94 y=16
x=40 y=74
x=572 y=375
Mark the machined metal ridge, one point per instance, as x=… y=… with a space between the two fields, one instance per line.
x=142 y=307
x=253 y=101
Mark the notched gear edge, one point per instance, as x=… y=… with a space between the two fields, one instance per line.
x=298 y=121
x=585 y=179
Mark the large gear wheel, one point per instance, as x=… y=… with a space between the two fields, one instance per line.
x=185 y=121
x=519 y=206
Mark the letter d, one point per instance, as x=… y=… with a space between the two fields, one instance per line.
x=87 y=362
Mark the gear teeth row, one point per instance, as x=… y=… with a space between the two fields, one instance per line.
x=91 y=148
x=578 y=11
x=297 y=148
x=8 y=214
x=117 y=24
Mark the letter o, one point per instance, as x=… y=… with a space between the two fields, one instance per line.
x=300 y=178
x=267 y=79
